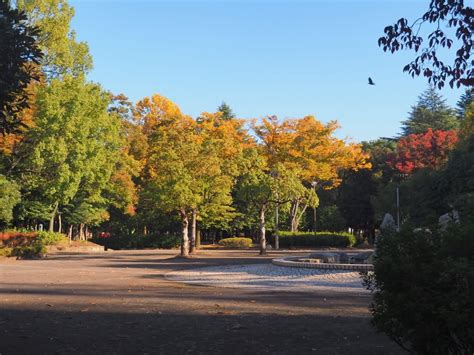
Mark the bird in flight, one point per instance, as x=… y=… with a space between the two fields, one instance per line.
x=370 y=81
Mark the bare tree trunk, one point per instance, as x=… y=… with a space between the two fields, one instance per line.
x=198 y=238
x=299 y=216
x=81 y=231
x=294 y=216
x=70 y=233
x=60 y=223
x=192 y=246
x=184 y=236
x=53 y=216
x=263 y=244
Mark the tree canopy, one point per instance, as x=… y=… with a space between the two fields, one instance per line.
x=431 y=111
x=18 y=66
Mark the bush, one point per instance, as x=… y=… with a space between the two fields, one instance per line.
x=15 y=238
x=26 y=245
x=161 y=241
x=236 y=242
x=5 y=252
x=316 y=240
x=36 y=250
x=423 y=288
x=49 y=238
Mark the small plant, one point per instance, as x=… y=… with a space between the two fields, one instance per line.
x=239 y=242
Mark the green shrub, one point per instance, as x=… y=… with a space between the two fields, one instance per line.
x=316 y=240
x=239 y=242
x=423 y=289
x=161 y=241
x=34 y=246
x=168 y=242
x=5 y=251
x=36 y=250
x=49 y=238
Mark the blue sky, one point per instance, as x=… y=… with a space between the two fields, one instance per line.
x=262 y=57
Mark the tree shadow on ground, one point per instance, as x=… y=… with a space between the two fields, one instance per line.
x=53 y=332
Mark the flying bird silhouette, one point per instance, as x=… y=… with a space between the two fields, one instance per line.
x=370 y=81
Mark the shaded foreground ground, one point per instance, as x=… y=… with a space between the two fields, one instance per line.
x=120 y=302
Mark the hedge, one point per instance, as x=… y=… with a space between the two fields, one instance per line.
x=28 y=244
x=236 y=242
x=316 y=240
x=125 y=241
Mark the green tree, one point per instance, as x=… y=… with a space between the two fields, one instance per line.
x=70 y=154
x=192 y=167
x=226 y=111
x=173 y=164
x=18 y=66
x=431 y=111
x=464 y=101
x=330 y=219
x=457 y=180
x=355 y=200
x=63 y=54
x=9 y=197
x=261 y=189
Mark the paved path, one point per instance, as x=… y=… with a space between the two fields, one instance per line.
x=121 y=303
x=272 y=277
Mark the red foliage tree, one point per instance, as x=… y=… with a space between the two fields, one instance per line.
x=425 y=150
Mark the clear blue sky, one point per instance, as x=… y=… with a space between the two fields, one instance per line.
x=262 y=57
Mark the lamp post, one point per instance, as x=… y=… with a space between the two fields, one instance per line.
x=398 y=209
x=314 y=184
x=277 y=240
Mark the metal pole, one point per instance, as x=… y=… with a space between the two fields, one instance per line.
x=314 y=219
x=398 y=209
x=277 y=241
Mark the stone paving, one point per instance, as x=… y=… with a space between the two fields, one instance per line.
x=269 y=276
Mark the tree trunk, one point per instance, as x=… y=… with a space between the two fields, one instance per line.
x=81 y=231
x=294 y=216
x=263 y=244
x=198 y=238
x=70 y=233
x=60 y=223
x=184 y=236
x=53 y=216
x=192 y=246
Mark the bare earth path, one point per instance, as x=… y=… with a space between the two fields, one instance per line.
x=121 y=302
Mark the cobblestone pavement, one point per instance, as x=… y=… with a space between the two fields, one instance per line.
x=269 y=276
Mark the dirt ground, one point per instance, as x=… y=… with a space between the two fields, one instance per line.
x=119 y=302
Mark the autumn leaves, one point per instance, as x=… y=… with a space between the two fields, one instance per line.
x=200 y=169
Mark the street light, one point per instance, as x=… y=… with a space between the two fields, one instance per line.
x=313 y=185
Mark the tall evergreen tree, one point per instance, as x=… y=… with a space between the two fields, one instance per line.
x=464 y=101
x=431 y=111
x=19 y=54
x=227 y=113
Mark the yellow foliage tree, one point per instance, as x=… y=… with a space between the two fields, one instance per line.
x=310 y=149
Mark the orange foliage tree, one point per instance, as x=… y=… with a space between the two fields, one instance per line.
x=424 y=150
